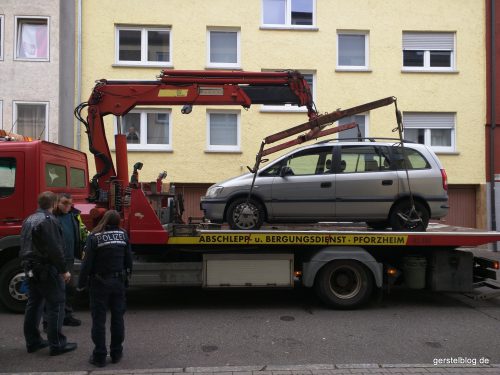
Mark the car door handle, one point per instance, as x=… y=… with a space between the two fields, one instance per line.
x=387 y=182
x=326 y=184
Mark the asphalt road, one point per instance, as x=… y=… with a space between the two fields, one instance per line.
x=190 y=327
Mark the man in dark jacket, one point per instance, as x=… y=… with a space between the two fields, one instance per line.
x=42 y=256
x=74 y=234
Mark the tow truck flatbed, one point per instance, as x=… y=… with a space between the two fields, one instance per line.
x=438 y=235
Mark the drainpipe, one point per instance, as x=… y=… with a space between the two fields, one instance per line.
x=493 y=122
x=79 y=74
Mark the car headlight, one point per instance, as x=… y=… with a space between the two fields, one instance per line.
x=214 y=191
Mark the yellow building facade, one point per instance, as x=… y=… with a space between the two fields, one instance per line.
x=429 y=54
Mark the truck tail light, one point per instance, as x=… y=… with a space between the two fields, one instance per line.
x=444 y=178
x=496 y=265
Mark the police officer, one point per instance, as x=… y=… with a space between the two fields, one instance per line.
x=42 y=256
x=107 y=264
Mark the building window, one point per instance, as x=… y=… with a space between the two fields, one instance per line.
x=428 y=51
x=1 y=37
x=31 y=119
x=32 y=38
x=143 y=46
x=1 y=114
x=223 y=48
x=149 y=130
x=310 y=77
x=352 y=134
x=223 y=131
x=288 y=13
x=436 y=130
x=352 y=50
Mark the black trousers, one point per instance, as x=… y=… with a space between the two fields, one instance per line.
x=49 y=290
x=107 y=294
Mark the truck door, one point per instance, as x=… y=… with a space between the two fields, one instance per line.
x=305 y=189
x=11 y=191
x=367 y=184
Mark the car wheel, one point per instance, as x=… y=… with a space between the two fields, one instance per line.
x=344 y=284
x=245 y=215
x=404 y=218
x=377 y=225
x=13 y=292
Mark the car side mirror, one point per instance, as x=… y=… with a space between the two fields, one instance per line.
x=286 y=171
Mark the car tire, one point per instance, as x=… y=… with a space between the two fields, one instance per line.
x=245 y=215
x=377 y=225
x=403 y=219
x=11 y=294
x=344 y=284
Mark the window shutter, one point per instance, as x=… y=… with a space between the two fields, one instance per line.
x=422 y=120
x=428 y=41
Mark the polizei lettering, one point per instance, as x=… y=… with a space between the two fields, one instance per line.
x=110 y=238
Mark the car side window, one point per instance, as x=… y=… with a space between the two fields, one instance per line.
x=413 y=158
x=311 y=161
x=360 y=159
x=7 y=176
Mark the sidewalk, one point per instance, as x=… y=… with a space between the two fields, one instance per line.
x=325 y=369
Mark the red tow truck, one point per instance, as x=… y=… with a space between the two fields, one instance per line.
x=345 y=265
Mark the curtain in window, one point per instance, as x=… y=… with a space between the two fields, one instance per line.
x=31 y=120
x=158 y=124
x=223 y=129
x=353 y=133
x=131 y=126
x=352 y=50
x=223 y=47
x=32 y=40
x=274 y=12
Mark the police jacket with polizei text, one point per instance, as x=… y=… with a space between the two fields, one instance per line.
x=42 y=241
x=106 y=253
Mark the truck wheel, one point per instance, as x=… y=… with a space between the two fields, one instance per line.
x=243 y=215
x=344 y=284
x=12 y=294
x=403 y=218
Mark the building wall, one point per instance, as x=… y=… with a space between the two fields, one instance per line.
x=462 y=92
x=31 y=81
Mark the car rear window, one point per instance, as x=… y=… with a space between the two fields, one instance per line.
x=414 y=159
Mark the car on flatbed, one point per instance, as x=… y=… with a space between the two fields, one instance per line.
x=397 y=185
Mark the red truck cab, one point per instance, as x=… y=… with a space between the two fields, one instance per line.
x=27 y=169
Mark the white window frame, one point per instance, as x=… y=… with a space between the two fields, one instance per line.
x=228 y=148
x=428 y=130
x=367 y=124
x=1 y=114
x=288 y=19
x=16 y=38
x=427 y=55
x=143 y=145
x=144 y=47
x=14 y=117
x=290 y=107
x=2 y=33
x=236 y=65
x=364 y=67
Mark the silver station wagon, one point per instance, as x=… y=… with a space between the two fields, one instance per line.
x=380 y=183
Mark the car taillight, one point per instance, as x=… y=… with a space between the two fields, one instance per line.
x=444 y=177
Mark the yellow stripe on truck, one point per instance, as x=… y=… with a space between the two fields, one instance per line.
x=291 y=239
